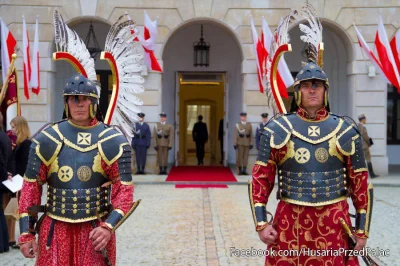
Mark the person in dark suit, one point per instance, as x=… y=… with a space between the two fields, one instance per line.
x=260 y=128
x=5 y=173
x=200 y=136
x=221 y=138
x=140 y=143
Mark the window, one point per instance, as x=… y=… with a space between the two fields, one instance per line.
x=393 y=116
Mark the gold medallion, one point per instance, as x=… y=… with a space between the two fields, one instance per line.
x=302 y=155
x=84 y=138
x=65 y=173
x=84 y=173
x=321 y=154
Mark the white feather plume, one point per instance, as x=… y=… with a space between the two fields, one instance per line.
x=312 y=33
x=127 y=54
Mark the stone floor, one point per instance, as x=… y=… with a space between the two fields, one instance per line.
x=201 y=226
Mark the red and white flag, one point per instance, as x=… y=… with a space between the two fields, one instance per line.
x=8 y=44
x=386 y=56
x=372 y=57
x=27 y=59
x=35 y=77
x=395 y=45
x=9 y=106
x=260 y=56
x=149 y=43
x=284 y=76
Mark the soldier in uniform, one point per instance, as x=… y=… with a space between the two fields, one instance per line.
x=260 y=128
x=367 y=142
x=243 y=142
x=87 y=168
x=319 y=159
x=163 y=141
x=141 y=142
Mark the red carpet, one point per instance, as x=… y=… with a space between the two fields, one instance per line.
x=201 y=174
x=201 y=186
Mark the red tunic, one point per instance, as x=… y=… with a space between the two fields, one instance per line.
x=313 y=229
x=70 y=243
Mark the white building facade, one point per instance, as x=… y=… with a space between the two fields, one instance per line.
x=226 y=24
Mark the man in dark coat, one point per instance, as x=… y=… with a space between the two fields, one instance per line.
x=200 y=136
x=140 y=143
x=260 y=128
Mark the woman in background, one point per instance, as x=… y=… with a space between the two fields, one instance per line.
x=21 y=143
x=5 y=154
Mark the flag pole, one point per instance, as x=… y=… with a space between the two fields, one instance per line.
x=9 y=72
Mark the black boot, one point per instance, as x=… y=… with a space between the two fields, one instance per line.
x=244 y=171
x=161 y=171
x=142 y=170
x=240 y=171
x=165 y=170
x=138 y=171
x=371 y=171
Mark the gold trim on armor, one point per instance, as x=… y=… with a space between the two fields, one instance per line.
x=261 y=163
x=37 y=149
x=31 y=180
x=305 y=203
x=361 y=211
x=253 y=211
x=359 y=231
x=103 y=156
x=259 y=205
x=321 y=155
x=82 y=127
x=97 y=166
x=332 y=149
x=90 y=94
x=105 y=131
x=76 y=147
x=261 y=223
x=367 y=221
x=109 y=225
x=360 y=170
x=24 y=214
x=127 y=183
x=330 y=135
x=84 y=173
x=63 y=219
x=54 y=167
x=278 y=146
x=120 y=211
x=353 y=147
x=289 y=153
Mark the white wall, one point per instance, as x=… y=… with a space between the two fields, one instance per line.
x=393 y=152
x=225 y=56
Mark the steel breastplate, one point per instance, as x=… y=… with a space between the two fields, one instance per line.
x=75 y=177
x=313 y=172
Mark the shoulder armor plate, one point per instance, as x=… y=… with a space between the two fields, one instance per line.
x=48 y=145
x=280 y=130
x=347 y=136
x=111 y=145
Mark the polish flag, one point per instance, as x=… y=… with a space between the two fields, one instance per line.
x=8 y=44
x=386 y=56
x=35 y=77
x=9 y=107
x=260 y=55
x=395 y=45
x=27 y=59
x=285 y=79
x=371 y=56
x=149 y=43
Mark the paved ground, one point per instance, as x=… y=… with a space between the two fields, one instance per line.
x=200 y=226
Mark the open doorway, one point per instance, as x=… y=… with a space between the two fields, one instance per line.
x=200 y=94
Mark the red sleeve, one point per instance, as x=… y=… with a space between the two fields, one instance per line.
x=121 y=195
x=264 y=179
x=358 y=188
x=31 y=195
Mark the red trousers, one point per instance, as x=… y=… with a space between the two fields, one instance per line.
x=71 y=245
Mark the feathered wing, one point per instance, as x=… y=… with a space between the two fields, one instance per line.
x=281 y=36
x=124 y=56
x=68 y=41
x=312 y=33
